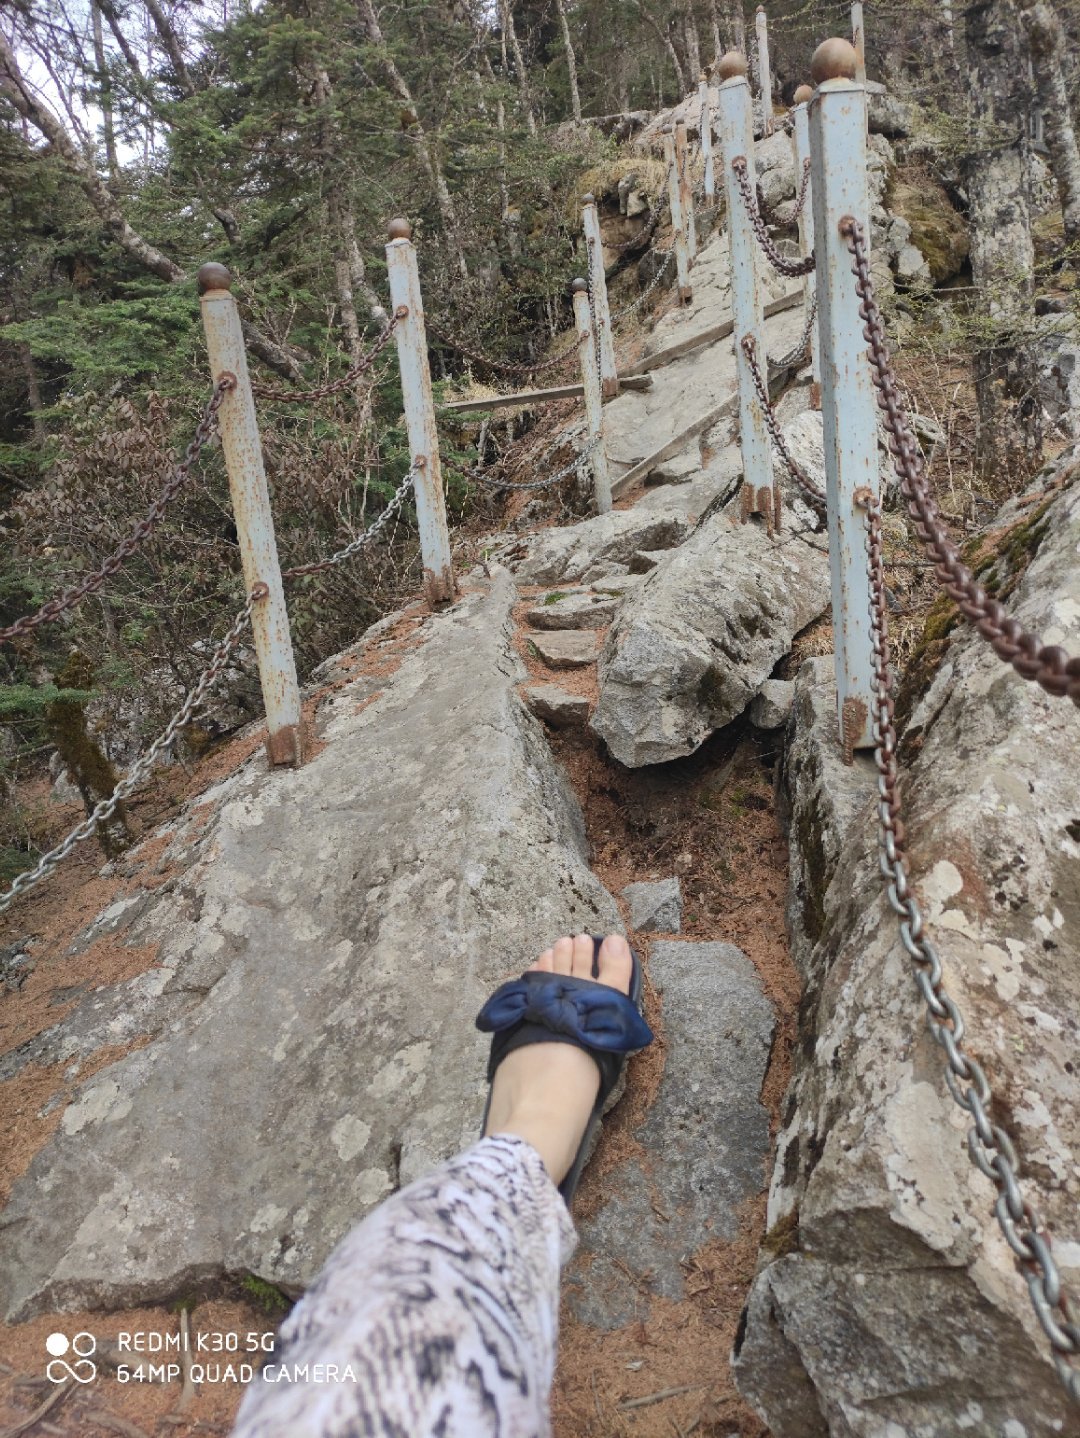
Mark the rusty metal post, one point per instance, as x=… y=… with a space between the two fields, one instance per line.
x=848 y=407
x=761 y=24
x=678 y=224
x=686 y=189
x=801 y=113
x=254 y=520
x=705 y=124
x=411 y=339
x=737 y=138
x=609 y=380
x=594 y=408
x=858 y=39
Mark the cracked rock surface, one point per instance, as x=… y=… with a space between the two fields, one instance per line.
x=320 y=963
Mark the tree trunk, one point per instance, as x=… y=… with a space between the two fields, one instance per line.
x=33 y=389
x=571 y=63
x=428 y=158
x=108 y=129
x=171 y=40
x=714 y=21
x=997 y=176
x=665 y=39
x=1046 y=42
x=738 y=26
x=693 y=45
x=510 y=29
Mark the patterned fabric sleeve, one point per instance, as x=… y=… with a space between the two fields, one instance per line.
x=436 y=1315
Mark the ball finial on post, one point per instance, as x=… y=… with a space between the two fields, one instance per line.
x=213 y=277
x=834 y=59
x=579 y=287
x=399 y=229
x=732 y=65
x=588 y=199
x=803 y=95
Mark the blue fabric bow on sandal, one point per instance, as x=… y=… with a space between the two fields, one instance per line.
x=599 y=1016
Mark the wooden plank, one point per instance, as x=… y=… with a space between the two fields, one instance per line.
x=642 y=469
x=539 y=396
x=707 y=337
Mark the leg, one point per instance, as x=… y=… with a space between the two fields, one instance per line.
x=439 y=1310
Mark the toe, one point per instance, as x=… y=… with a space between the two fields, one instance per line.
x=584 y=949
x=563 y=955
x=546 y=962
x=615 y=963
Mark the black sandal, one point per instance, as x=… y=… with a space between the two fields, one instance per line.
x=542 y=1008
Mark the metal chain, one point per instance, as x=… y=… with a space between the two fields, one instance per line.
x=669 y=255
x=794 y=355
x=803 y=190
x=262 y=391
x=593 y=317
x=106 y=808
x=567 y=469
x=145 y=527
x=989 y=1146
x=798 y=474
x=792 y=268
x=656 y=209
x=505 y=367
x=394 y=505
x=1047 y=664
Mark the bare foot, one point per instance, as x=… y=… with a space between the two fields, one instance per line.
x=544 y=1093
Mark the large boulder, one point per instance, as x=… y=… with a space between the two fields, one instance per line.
x=938 y=231
x=887 y=1301
x=1057 y=351
x=692 y=646
x=323 y=943
x=774 y=164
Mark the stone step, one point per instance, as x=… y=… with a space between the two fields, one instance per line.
x=566 y=648
x=563 y=610
x=556 y=707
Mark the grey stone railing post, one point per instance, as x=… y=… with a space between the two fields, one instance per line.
x=609 y=380
x=411 y=339
x=848 y=404
x=242 y=449
x=678 y=221
x=737 y=139
x=803 y=95
x=594 y=408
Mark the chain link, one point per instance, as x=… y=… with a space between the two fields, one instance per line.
x=145 y=527
x=803 y=191
x=567 y=469
x=795 y=355
x=504 y=367
x=989 y=1146
x=106 y=808
x=318 y=566
x=261 y=391
x=794 y=269
x=669 y=255
x=594 y=319
x=798 y=474
x=1047 y=664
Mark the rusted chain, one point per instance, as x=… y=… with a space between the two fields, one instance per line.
x=319 y=566
x=1048 y=665
x=798 y=352
x=261 y=391
x=145 y=527
x=593 y=316
x=794 y=269
x=636 y=304
x=106 y=808
x=504 y=367
x=803 y=190
x=989 y=1146
x=798 y=474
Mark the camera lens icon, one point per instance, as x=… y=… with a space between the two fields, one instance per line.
x=82 y=1346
